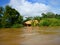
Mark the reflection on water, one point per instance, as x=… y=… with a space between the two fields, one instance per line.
x=30 y=36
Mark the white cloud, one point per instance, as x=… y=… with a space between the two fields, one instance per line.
x=29 y=9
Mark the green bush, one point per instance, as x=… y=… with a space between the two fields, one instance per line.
x=44 y=23
x=55 y=22
x=17 y=26
x=49 y=22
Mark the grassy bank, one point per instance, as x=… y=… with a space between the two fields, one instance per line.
x=49 y=22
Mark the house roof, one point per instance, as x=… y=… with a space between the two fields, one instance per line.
x=30 y=21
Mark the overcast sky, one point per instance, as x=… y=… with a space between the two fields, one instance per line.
x=33 y=7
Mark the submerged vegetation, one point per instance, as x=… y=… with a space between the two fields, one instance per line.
x=11 y=18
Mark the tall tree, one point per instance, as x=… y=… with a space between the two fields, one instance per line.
x=1 y=14
x=37 y=18
x=48 y=15
x=10 y=17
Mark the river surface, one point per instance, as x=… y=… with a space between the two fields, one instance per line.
x=30 y=36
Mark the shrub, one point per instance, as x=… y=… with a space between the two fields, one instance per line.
x=17 y=26
x=49 y=22
x=55 y=22
x=44 y=23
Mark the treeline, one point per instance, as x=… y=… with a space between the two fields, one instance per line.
x=11 y=18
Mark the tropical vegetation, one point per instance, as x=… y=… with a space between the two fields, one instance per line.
x=11 y=18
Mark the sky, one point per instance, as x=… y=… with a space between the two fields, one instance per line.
x=4 y=2
x=33 y=7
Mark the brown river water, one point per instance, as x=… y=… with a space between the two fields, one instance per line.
x=30 y=36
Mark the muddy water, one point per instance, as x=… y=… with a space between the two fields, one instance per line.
x=30 y=36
